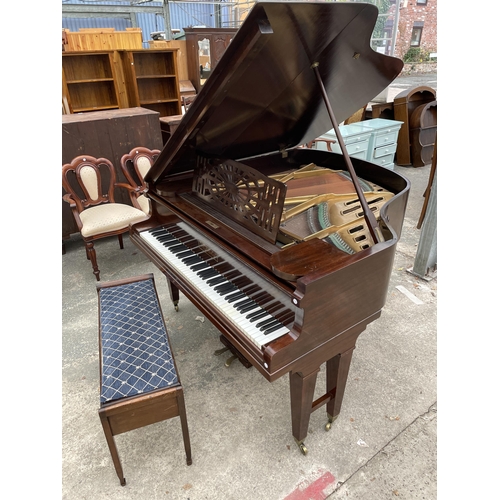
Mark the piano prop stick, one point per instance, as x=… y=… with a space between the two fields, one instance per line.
x=288 y=251
x=370 y=218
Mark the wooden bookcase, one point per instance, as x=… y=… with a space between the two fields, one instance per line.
x=92 y=81
x=152 y=80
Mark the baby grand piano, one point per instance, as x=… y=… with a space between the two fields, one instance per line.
x=287 y=250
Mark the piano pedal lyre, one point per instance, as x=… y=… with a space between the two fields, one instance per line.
x=218 y=352
x=230 y=360
x=235 y=353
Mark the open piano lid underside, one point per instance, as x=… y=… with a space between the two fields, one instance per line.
x=263 y=96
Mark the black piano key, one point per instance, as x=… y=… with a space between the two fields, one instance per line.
x=225 y=289
x=244 y=303
x=207 y=273
x=178 y=248
x=158 y=231
x=273 y=328
x=170 y=243
x=191 y=260
x=267 y=322
x=248 y=307
x=235 y=296
x=197 y=267
x=216 y=281
x=184 y=254
x=257 y=315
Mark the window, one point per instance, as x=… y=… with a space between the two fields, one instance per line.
x=421 y=2
x=416 y=34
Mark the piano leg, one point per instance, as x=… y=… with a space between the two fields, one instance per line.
x=301 y=399
x=337 y=370
x=174 y=294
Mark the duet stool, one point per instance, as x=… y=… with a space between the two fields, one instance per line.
x=138 y=376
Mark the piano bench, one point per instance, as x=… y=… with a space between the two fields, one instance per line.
x=139 y=383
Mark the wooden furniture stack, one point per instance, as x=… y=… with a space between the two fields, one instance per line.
x=116 y=79
x=92 y=39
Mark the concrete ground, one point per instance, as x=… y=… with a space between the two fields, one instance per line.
x=382 y=446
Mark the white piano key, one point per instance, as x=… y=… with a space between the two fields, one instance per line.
x=255 y=334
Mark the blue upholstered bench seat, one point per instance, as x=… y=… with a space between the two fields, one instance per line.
x=136 y=356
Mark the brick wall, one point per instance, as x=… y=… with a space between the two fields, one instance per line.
x=410 y=12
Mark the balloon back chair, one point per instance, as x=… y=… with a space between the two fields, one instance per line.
x=135 y=165
x=90 y=190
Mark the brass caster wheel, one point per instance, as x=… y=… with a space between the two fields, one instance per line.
x=328 y=425
x=176 y=307
x=302 y=448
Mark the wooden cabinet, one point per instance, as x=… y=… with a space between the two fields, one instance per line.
x=405 y=103
x=152 y=80
x=204 y=48
x=92 y=81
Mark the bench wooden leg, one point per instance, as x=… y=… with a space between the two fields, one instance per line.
x=184 y=425
x=112 y=447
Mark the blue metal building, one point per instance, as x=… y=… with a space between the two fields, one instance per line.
x=218 y=14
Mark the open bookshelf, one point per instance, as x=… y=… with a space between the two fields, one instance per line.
x=92 y=82
x=152 y=80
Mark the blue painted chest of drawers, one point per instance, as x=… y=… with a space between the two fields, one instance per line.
x=371 y=140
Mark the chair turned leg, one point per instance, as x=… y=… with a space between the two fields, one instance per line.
x=112 y=448
x=120 y=239
x=91 y=254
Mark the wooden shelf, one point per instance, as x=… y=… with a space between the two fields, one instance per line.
x=101 y=80
x=152 y=81
x=92 y=82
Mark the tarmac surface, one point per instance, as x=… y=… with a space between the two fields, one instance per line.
x=382 y=446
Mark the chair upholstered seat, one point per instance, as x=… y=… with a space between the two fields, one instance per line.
x=136 y=356
x=110 y=217
x=90 y=185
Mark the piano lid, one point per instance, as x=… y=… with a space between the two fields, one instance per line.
x=263 y=95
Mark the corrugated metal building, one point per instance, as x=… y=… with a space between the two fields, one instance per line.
x=218 y=14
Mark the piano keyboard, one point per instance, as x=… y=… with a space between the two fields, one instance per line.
x=252 y=304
